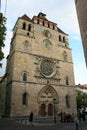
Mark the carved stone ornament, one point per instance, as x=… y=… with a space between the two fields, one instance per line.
x=47 y=34
x=47 y=68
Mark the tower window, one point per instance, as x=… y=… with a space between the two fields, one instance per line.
x=60 y=38
x=64 y=39
x=24 y=99
x=26 y=47
x=29 y=27
x=67 y=80
x=24 y=76
x=65 y=56
x=47 y=43
x=24 y=26
x=67 y=101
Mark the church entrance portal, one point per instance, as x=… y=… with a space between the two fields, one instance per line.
x=46 y=102
x=43 y=110
x=46 y=109
x=50 y=110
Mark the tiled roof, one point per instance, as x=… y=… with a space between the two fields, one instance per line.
x=59 y=30
x=25 y=17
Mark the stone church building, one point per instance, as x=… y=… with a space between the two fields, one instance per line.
x=39 y=73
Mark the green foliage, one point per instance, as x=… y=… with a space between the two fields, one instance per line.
x=81 y=100
x=2 y=35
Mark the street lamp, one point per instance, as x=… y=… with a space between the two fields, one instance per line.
x=54 y=101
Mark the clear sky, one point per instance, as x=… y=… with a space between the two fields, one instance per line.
x=62 y=12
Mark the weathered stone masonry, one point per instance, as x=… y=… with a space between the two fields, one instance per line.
x=39 y=69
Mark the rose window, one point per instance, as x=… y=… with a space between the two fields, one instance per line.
x=47 y=68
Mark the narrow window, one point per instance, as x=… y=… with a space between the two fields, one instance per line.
x=67 y=80
x=47 y=43
x=26 y=47
x=24 y=26
x=67 y=101
x=65 y=56
x=60 y=38
x=64 y=39
x=43 y=23
x=24 y=76
x=29 y=27
x=24 y=99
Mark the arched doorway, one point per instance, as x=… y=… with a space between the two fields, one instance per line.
x=50 y=109
x=42 y=109
x=46 y=110
x=46 y=102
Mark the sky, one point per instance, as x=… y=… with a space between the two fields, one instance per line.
x=62 y=12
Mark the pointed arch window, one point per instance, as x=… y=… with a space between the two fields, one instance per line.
x=63 y=38
x=47 y=43
x=67 y=80
x=60 y=39
x=24 y=76
x=26 y=47
x=65 y=56
x=29 y=27
x=67 y=101
x=24 y=26
x=24 y=99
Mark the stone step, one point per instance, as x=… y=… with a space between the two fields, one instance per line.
x=39 y=119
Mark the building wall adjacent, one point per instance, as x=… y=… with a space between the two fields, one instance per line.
x=2 y=94
x=81 y=8
x=40 y=76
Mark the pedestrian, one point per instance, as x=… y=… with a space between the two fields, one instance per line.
x=61 y=115
x=79 y=114
x=31 y=118
x=83 y=115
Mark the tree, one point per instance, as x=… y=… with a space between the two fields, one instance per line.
x=81 y=100
x=2 y=35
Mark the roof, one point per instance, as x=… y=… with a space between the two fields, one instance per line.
x=41 y=16
x=25 y=17
x=59 y=30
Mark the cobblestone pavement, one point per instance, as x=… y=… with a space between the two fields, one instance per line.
x=11 y=124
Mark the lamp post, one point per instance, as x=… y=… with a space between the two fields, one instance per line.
x=54 y=101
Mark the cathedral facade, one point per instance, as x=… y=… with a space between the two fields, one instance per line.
x=40 y=76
